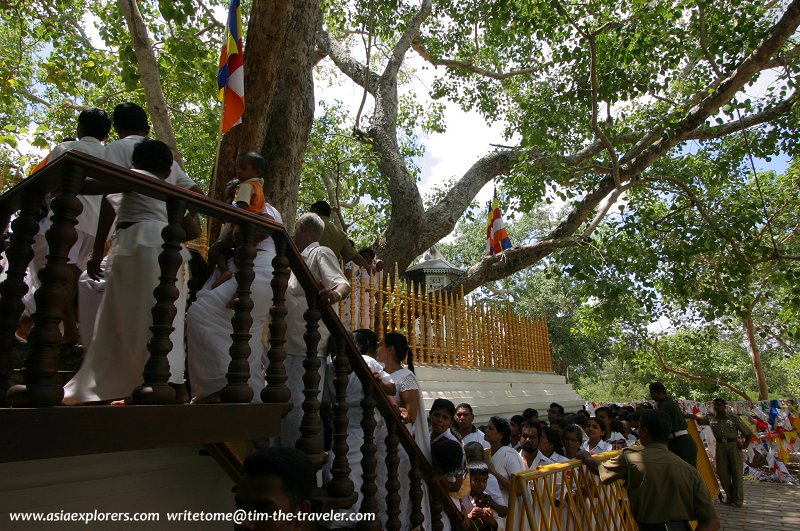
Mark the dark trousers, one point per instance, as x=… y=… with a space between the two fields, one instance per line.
x=684 y=447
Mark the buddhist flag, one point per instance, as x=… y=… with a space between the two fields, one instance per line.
x=230 y=78
x=497 y=239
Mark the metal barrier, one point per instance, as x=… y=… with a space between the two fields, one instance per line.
x=566 y=496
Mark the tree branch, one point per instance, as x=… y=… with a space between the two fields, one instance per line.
x=402 y=46
x=423 y=52
x=345 y=62
x=696 y=377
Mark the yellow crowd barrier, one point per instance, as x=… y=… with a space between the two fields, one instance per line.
x=444 y=328
x=566 y=496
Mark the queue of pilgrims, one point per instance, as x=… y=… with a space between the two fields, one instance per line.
x=115 y=289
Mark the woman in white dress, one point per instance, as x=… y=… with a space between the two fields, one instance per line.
x=392 y=351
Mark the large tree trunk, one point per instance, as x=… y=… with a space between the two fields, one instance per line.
x=288 y=125
x=148 y=72
x=279 y=101
x=763 y=392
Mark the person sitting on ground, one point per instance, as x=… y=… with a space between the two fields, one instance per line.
x=116 y=359
x=275 y=479
x=482 y=515
x=652 y=474
x=475 y=452
x=596 y=431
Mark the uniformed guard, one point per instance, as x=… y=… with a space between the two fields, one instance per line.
x=727 y=429
x=665 y=492
x=680 y=442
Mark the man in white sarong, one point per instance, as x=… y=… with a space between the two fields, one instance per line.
x=93 y=127
x=115 y=361
x=324 y=266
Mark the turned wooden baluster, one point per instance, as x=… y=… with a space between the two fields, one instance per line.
x=310 y=440
x=369 y=462
x=44 y=340
x=155 y=389
x=415 y=486
x=13 y=288
x=340 y=486
x=237 y=390
x=276 y=391
x=392 y=481
x=436 y=509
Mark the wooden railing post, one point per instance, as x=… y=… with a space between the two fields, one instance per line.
x=415 y=486
x=155 y=389
x=276 y=391
x=369 y=463
x=340 y=486
x=44 y=340
x=237 y=390
x=13 y=288
x=310 y=440
x=392 y=482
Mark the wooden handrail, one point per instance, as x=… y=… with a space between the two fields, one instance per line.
x=97 y=177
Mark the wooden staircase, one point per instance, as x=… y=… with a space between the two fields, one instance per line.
x=35 y=426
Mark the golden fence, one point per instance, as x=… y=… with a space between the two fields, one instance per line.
x=566 y=496
x=445 y=328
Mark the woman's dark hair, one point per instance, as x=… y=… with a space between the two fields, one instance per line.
x=601 y=424
x=503 y=426
x=366 y=340
x=519 y=420
x=561 y=422
x=572 y=428
x=554 y=438
x=399 y=342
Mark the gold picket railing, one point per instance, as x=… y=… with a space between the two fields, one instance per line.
x=566 y=496
x=445 y=328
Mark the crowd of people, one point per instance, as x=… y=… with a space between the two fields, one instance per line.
x=474 y=464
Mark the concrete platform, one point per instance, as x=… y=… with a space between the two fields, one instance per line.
x=767 y=506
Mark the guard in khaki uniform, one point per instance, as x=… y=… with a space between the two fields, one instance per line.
x=665 y=492
x=727 y=427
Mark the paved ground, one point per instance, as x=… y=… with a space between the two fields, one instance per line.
x=767 y=507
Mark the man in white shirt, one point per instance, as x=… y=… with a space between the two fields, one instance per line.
x=464 y=421
x=93 y=127
x=324 y=266
x=529 y=439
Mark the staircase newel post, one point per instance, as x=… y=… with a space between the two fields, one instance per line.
x=13 y=288
x=44 y=340
x=392 y=481
x=155 y=389
x=310 y=440
x=237 y=390
x=341 y=486
x=276 y=391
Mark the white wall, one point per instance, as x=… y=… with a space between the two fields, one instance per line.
x=501 y=392
x=162 y=480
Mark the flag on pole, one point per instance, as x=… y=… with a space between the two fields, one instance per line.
x=497 y=239
x=230 y=78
